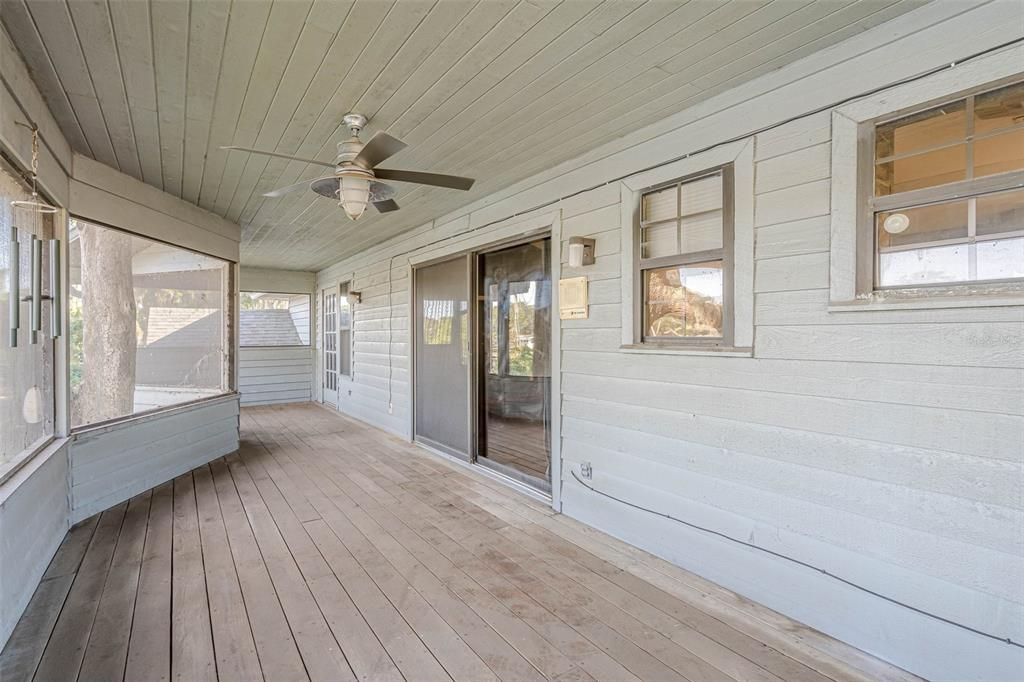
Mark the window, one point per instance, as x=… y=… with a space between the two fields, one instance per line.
x=26 y=369
x=148 y=324
x=344 y=332
x=267 y=319
x=685 y=259
x=946 y=205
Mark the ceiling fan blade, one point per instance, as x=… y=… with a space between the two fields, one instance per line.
x=281 y=191
x=381 y=146
x=280 y=156
x=435 y=179
x=386 y=206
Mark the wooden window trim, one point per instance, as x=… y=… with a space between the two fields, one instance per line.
x=851 y=246
x=968 y=189
x=740 y=155
x=724 y=254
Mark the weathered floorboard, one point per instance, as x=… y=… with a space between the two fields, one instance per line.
x=326 y=550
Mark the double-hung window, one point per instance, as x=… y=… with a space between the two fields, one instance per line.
x=946 y=202
x=685 y=262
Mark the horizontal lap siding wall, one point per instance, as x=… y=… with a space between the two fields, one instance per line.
x=275 y=375
x=110 y=465
x=886 y=447
x=33 y=521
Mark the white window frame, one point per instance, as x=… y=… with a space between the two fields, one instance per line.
x=852 y=246
x=740 y=156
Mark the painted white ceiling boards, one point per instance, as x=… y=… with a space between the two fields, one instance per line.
x=496 y=90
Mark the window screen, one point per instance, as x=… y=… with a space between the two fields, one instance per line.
x=268 y=319
x=148 y=324
x=26 y=371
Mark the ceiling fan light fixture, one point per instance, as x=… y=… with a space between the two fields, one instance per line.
x=354 y=194
x=353 y=183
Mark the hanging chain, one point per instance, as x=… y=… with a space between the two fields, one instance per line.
x=35 y=154
x=35 y=158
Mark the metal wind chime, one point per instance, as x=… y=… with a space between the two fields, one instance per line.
x=34 y=207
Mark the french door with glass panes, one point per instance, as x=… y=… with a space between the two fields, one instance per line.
x=329 y=326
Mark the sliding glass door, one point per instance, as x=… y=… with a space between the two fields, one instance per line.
x=442 y=360
x=482 y=375
x=514 y=385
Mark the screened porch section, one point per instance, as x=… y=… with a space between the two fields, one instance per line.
x=147 y=324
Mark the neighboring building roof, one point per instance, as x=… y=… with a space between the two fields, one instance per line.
x=182 y=327
x=267 y=328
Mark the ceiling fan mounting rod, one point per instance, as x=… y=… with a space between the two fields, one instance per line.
x=354 y=122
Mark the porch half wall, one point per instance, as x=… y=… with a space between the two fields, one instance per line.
x=883 y=447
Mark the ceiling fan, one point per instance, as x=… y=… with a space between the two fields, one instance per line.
x=354 y=182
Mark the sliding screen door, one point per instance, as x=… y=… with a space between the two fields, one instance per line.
x=442 y=324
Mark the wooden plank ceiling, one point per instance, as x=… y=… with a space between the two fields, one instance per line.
x=495 y=89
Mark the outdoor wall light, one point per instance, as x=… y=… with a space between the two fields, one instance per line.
x=581 y=252
x=354 y=297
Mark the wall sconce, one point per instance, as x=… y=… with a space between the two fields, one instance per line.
x=354 y=297
x=581 y=252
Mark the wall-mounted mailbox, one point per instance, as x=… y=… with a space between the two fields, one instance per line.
x=572 y=298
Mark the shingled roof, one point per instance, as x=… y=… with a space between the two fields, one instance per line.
x=267 y=328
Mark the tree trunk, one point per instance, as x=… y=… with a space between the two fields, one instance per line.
x=108 y=336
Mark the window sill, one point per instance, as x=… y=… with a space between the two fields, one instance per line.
x=917 y=299
x=34 y=455
x=709 y=351
x=293 y=346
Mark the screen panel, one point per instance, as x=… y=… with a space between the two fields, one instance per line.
x=443 y=356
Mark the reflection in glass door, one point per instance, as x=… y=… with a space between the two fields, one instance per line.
x=514 y=383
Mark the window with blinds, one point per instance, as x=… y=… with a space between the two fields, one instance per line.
x=685 y=266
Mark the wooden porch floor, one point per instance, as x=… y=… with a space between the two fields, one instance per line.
x=327 y=550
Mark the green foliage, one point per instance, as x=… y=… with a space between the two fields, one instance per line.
x=520 y=361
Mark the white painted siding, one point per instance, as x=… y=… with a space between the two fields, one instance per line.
x=33 y=519
x=882 y=446
x=279 y=374
x=275 y=375
x=110 y=464
x=300 y=308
